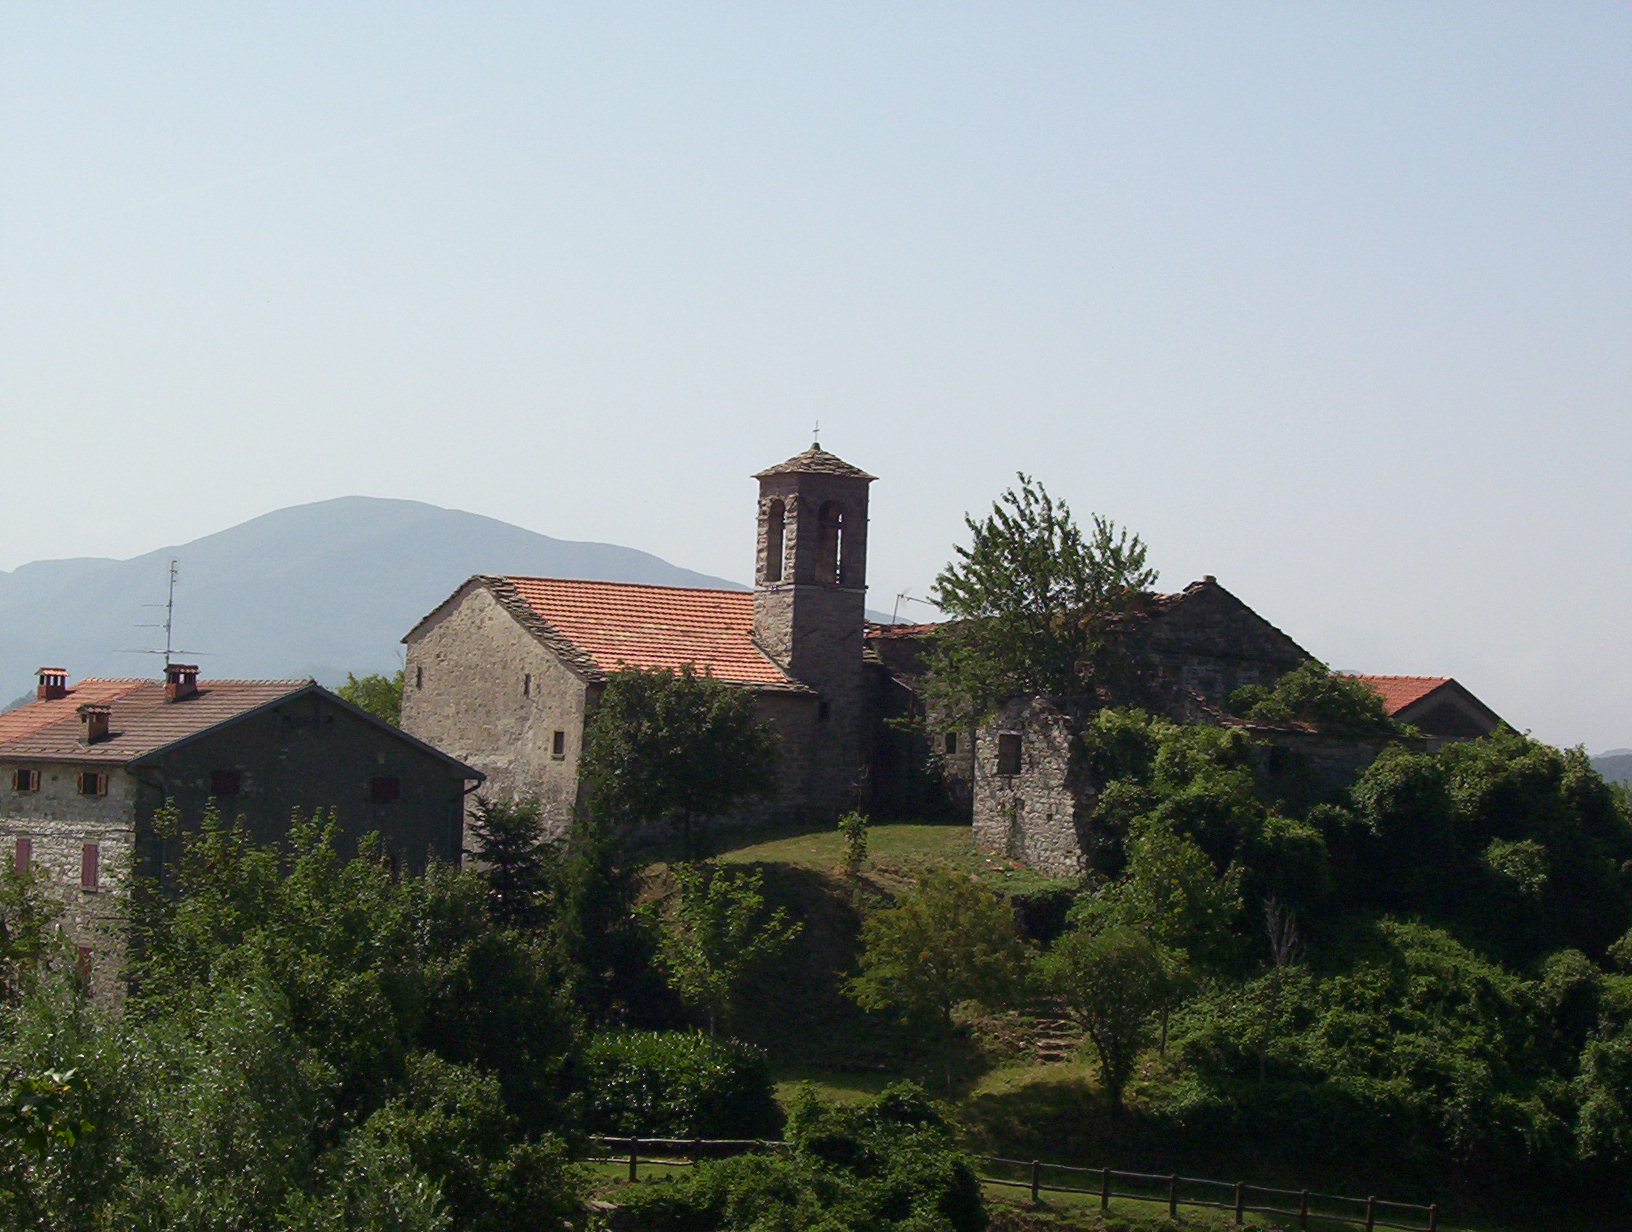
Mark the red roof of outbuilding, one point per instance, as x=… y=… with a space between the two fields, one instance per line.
x=616 y=625
x=1398 y=692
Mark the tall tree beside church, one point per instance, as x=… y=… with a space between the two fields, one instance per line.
x=674 y=745
x=1032 y=600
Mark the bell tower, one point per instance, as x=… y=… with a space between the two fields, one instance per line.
x=810 y=589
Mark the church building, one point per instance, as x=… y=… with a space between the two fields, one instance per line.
x=505 y=672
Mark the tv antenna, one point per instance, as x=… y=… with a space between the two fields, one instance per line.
x=168 y=624
x=905 y=597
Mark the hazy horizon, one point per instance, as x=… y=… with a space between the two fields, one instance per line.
x=1331 y=302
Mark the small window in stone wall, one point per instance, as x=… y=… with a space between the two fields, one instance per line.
x=951 y=742
x=1008 y=754
x=223 y=782
x=22 y=856
x=92 y=783
x=527 y=684
x=419 y=677
x=384 y=789
x=824 y=711
x=25 y=780
x=90 y=867
x=558 y=744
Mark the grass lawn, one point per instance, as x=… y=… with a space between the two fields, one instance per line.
x=897 y=852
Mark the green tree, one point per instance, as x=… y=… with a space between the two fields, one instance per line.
x=949 y=941
x=1033 y=601
x=1112 y=983
x=1313 y=693
x=664 y=745
x=719 y=934
x=380 y=695
x=512 y=858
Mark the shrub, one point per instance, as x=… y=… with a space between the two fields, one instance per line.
x=678 y=1084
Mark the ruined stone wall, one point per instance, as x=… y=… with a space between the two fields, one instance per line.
x=57 y=822
x=1211 y=643
x=1037 y=815
x=481 y=688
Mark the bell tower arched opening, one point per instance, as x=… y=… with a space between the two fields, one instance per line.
x=830 y=543
x=775 y=527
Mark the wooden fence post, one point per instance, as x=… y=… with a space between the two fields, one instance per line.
x=1303 y=1209
x=1173 y=1196
x=1433 y=1217
x=1036 y=1180
x=1240 y=1200
x=634 y=1157
x=1105 y=1191
x=1371 y=1213
x=696 y=1151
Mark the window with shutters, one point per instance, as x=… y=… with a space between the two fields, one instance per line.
x=92 y=783
x=22 y=855
x=25 y=780
x=90 y=867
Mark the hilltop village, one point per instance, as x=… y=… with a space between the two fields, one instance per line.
x=501 y=677
x=1202 y=909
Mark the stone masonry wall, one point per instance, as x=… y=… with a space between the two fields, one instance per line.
x=58 y=822
x=1034 y=816
x=481 y=688
x=310 y=753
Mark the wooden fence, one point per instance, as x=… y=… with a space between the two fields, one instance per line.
x=1041 y=1178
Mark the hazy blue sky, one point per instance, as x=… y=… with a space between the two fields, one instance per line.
x=1331 y=301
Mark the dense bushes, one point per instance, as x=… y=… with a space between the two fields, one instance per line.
x=887 y=1164
x=677 y=1084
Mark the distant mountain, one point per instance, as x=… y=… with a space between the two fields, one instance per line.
x=1615 y=765
x=314 y=590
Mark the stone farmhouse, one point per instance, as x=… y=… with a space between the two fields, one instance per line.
x=84 y=768
x=505 y=672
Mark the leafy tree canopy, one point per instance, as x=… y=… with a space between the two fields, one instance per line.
x=664 y=745
x=1312 y=693
x=380 y=695
x=1032 y=601
x=720 y=933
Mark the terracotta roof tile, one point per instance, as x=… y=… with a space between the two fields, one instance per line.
x=614 y=625
x=1398 y=692
x=141 y=720
x=35 y=715
x=815 y=461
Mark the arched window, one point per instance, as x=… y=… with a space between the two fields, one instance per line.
x=774 y=519
x=830 y=543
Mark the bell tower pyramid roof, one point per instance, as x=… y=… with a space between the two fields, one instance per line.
x=816 y=461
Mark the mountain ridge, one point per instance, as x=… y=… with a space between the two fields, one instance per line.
x=316 y=589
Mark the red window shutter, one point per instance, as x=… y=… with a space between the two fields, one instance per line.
x=89 y=858
x=24 y=855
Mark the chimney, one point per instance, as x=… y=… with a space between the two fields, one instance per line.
x=53 y=684
x=95 y=716
x=180 y=681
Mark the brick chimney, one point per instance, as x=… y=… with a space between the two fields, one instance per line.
x=95 y=716
x=180 y=681
x=53 y=684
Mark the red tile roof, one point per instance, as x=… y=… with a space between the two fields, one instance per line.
x=32 y=717
x=1398 y=692
x=141 y=720
x=603 y=626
